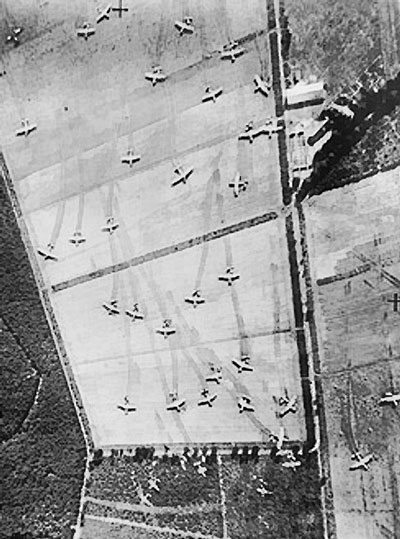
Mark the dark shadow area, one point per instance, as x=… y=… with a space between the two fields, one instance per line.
x=350 y=154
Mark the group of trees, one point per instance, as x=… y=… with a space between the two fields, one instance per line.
x=353 y=149
x=335 y=41
x=42 y=457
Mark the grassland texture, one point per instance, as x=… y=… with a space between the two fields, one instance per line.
x=227 y=496
x=333 y=41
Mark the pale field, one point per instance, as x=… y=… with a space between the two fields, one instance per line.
x=91 y=103
x=111 y=356
x=359 y=337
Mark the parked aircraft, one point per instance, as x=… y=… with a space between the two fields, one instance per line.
x=183 y=461
x=176 y=404
x=195 y=299
x=26 y=128
x=144 y=498
x=134 y=313
x=298 y=130
x=130 y=157
x=110 y=226
x=182 y=175
x=85 y=31
x=361 y=462
x=233 y=44
x=244 y=404
x=250 y=132
x=47 y=254
x=156 y=75
x=111 y=307
x=230 y=276
x=269 y=127
x=262 y=86
x=126 y=407
x=262 y=490
x=201 y=470
x=104 y=14
x=279 y=439
x=215 y=375
x=153 y=483
x=243 y=364
x=232 y=51
x=390 y=398
x=13 y=36
x=186 y=26
x=77 y=238
x=238 y=185
x=166 y=330
x=207 y=398
x=212 y=95
x=291 y=464
x=287 y=404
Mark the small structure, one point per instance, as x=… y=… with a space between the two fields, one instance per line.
x=303 y=94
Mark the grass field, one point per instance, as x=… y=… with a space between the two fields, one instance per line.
x=69 y=176
x=355 y=264
x=91 y=103
x=224 y=503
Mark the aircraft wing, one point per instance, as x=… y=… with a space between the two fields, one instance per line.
x=227 y=55
x=46 y=255
x=175 y=181
x=104 y=14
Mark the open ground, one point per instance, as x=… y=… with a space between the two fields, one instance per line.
x=68 y=177
x=353 y=248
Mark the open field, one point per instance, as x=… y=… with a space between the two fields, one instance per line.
x=133 y=360
x=68 y=176
x=91 y=103
x=354 y=260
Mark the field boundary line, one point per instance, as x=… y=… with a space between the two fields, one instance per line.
x=133 y=524
x=165 y=251
x=223 y=498
x=54 y=330
x=154 y=509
